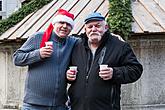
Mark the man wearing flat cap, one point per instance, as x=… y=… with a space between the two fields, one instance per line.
x=103 y=63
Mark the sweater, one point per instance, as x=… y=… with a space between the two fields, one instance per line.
x=45 y=82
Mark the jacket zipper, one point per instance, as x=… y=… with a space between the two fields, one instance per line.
x=89 y=69
x=87 y=76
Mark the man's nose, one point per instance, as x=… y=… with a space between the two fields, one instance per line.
x=65 y=25
x=93 y=28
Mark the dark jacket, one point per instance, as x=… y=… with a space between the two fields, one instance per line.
x=89 y=91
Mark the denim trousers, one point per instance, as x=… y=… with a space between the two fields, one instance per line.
x=27 y=106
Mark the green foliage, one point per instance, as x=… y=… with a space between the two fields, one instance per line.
x=120 y=17
x=17 y=16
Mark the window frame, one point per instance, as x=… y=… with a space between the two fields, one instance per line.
x=0 y=5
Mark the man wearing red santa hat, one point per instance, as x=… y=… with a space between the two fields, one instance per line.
x=45 y=85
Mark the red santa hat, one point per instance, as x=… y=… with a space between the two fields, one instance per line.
x=63 y=16
x=60 y=16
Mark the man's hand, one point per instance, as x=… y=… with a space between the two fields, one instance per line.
x=71 y=75
x=106 y=73
x=46 y=51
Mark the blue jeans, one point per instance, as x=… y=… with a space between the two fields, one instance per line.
x=40 y=107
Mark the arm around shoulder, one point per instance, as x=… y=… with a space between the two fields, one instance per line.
x=131 y=69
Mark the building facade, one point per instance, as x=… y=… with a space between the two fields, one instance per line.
x=7 y=7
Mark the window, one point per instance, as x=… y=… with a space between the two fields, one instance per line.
x=0 y=17
x=0 y=5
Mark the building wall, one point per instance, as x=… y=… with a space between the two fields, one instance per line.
x=8 y=7
x=148 y=93
x=11 y=79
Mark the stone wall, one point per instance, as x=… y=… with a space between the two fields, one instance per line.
x=148 y=93
x=11 y=79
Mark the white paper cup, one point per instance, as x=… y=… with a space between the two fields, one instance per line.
x=49 y=43
x=103 y=66
x=73 y=69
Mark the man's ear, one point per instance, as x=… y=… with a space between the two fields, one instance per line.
x=84 y=28
x=107 y=26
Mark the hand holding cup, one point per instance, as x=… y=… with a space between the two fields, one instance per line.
x=105 y=72
x=71 y=73
x=47 y=50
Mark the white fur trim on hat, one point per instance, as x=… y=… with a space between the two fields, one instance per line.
x=63 y=18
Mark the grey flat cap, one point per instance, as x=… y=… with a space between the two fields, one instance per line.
x=94 y=16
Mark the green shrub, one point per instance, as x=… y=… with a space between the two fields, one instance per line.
x=120 y=17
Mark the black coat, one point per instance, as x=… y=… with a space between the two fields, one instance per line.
x=89 y=91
